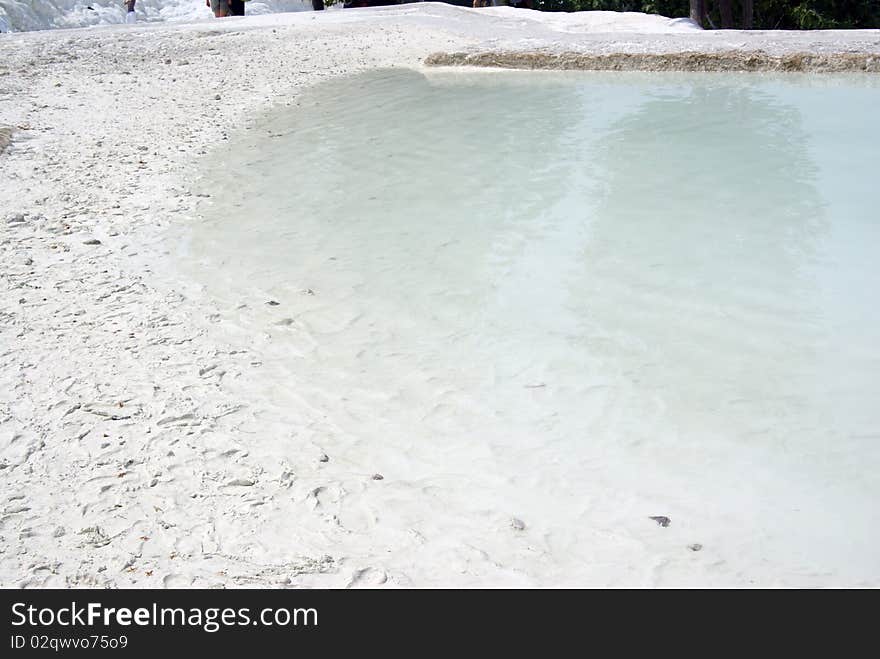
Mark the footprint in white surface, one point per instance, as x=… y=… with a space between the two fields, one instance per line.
x=368 y=577
x=176 y=581
x=328 y=496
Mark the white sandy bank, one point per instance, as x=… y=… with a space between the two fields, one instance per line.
x=131 y=452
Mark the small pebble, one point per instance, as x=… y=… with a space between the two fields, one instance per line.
x=324 y=458
x=378 y=477
x=517 y=524
x=662 y=520
x=92 y=241
x=695 y=547
x=273 y=303
x=216 y=97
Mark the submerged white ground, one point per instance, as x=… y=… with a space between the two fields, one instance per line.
x=140 y=444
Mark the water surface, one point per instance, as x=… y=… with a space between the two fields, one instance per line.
x=580 y=300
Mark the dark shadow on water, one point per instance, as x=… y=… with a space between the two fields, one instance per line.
x=697 y=269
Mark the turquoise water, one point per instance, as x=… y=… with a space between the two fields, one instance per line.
x=602 y=295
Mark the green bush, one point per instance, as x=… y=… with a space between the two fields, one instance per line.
x=768 y=14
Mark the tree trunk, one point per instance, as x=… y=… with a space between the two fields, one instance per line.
x=698 y=11
x=748 y=14
x=725 y=8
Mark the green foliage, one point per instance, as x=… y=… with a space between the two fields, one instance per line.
x=768 y=14
x=817 y=14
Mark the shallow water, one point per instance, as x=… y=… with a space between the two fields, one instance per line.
x=578 y=300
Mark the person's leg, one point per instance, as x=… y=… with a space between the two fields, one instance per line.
x=220 y=8
x=236 y=7
x=129 y=11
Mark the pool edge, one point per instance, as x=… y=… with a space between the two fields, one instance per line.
x=723 y=61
